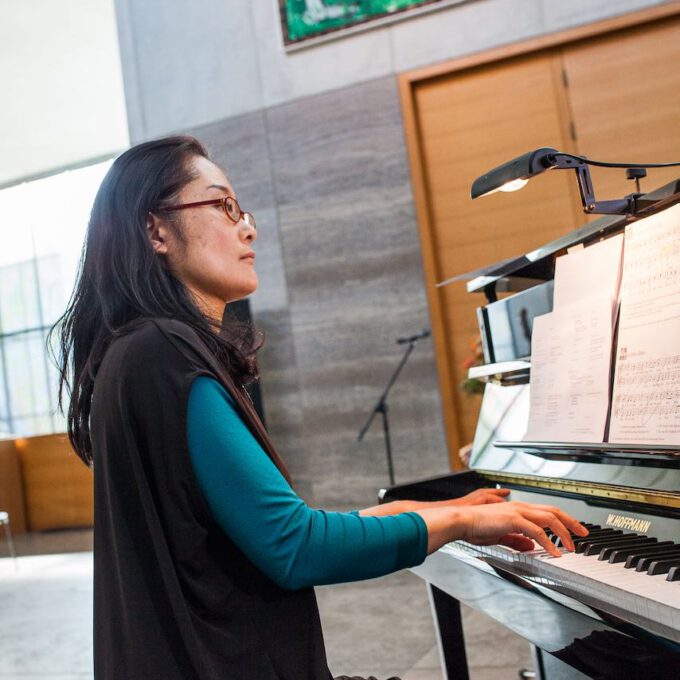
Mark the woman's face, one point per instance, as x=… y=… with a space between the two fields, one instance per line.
x=214 y=257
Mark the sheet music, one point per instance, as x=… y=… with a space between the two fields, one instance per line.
x=582 y=271
x=570 y=360
x=571 y=347
x=646 y=397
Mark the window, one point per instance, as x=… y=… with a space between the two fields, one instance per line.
x=43 y=229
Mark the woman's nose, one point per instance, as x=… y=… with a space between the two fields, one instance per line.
x=248 y=232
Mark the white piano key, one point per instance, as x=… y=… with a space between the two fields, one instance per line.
x=650 y=598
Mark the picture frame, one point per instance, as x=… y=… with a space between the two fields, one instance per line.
x=309 y=22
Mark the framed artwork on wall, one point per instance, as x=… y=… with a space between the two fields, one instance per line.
x=306 y=22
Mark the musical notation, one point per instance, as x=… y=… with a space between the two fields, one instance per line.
x=657 y=372
x=646 y=396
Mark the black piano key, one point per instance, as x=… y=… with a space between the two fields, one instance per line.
x=663 y=566
x=594 y=535
x=602 y=532
x=604 y=551
x=597 y=547
x=631 y=555
x=601 y=539
x=554 y=538
x=557 y=541
x=642 y=563
x=654 y=545
x=673 y=574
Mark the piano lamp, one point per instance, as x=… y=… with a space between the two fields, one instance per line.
x=516 y=173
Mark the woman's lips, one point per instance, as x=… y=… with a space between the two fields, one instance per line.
x=250 y=257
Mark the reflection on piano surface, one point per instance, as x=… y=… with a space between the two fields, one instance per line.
x=611 y=609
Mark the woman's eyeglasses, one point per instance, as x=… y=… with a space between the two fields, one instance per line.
x=230 y=206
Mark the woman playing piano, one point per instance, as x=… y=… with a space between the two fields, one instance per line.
x=205 y=557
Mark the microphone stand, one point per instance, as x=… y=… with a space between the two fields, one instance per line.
x=381 y=407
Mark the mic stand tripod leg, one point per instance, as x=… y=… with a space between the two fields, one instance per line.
x=381 y=407
x=388 y=443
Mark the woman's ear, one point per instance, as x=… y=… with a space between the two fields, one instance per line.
x=157 y=231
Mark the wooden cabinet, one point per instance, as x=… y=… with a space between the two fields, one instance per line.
x=58 y=488
x=11 y=486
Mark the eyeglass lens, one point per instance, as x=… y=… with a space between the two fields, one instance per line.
x=233 y=209
x=234 y=212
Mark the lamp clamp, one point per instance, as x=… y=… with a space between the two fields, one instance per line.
x=621 y=206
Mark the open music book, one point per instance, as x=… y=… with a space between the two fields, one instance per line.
x=639 y=275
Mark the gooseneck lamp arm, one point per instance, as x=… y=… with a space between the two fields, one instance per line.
x=516 y=173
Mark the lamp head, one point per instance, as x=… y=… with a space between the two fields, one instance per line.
x=514 y=174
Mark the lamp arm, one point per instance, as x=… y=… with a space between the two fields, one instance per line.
x=621 y=206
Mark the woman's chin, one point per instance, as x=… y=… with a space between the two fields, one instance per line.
x=241 y=293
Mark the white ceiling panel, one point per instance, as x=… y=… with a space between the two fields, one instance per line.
x=61 y=89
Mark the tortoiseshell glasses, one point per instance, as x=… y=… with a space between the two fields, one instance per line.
x=230 y=206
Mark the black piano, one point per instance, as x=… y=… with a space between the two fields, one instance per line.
x=612 y=608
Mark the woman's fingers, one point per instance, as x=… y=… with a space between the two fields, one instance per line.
x=551 y=521
x=494 y=497
x=517 y=542
x=484 y=496
x=497 y=522
x=528 y=528
x=572 y=524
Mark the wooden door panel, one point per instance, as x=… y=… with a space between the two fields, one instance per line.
x=470 y=122
x=624 y=90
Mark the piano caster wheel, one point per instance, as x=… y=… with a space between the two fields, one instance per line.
x=525 y=674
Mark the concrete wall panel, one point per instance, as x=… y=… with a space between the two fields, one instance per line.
x=560 y=15
x=466 y=29
x=194 y=63
x=287 y=76
x=355 y=280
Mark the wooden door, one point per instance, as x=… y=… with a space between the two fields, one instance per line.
x=624 y=94
x=469 y=123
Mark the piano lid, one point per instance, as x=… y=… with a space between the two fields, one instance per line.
x=539 y=265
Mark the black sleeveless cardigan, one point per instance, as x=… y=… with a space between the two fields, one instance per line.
x=174 y=597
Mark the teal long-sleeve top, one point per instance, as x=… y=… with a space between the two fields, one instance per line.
x=294 y=545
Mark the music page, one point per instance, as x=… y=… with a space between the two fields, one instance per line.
x=570 y=361
x=646 y=397
x=595 y=268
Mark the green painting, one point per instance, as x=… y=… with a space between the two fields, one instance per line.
x=303 y=19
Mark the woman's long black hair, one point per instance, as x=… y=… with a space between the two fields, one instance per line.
x=121 y=280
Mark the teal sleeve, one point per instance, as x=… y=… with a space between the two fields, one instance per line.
x=295 y=545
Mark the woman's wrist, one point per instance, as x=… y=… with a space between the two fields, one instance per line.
x=444 y=524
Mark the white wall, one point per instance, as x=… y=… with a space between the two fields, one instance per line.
x=187 y=63
x=61 y=84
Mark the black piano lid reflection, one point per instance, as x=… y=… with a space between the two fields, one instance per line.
x=612 y=608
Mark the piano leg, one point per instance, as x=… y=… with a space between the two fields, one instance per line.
x=549 y=667
x=450 y=640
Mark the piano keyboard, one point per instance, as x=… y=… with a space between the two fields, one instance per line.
x=634 y=577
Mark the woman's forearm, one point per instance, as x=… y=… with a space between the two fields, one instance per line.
x=444 y=522
x=478 y=497
x=391 y=508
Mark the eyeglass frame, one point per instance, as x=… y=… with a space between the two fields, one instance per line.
x=243 y=214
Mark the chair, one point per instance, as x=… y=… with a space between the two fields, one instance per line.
x=4 y=520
